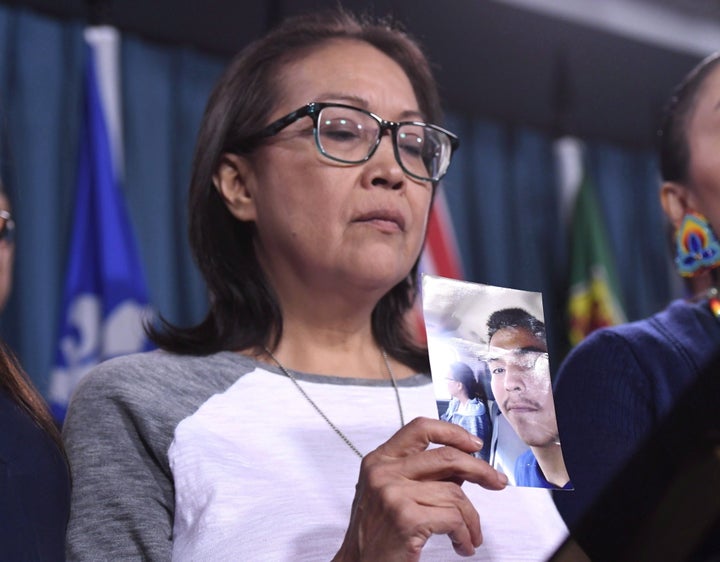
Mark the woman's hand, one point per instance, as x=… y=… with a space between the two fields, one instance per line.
x=407 y=492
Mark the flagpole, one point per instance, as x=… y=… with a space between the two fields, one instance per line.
x=105 y=43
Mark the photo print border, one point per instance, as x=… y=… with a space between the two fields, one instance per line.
x=519 y=429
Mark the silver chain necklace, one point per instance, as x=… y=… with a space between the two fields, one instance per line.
x=335 y=428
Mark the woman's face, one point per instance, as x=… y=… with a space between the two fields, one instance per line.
x=703 y=135
x=327 y=225
x=7 y=251
x=454 y=388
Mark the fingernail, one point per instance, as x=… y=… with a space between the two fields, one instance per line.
x=502 y=477
x=461 y=549
x=478 y=443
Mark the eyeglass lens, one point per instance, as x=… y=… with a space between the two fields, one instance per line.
x=525 y=360
x=7 y=227
x=349 y=135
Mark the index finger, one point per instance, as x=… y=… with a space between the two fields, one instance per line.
x=417 y=435
x=450 y=464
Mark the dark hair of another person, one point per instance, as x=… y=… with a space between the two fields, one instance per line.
x=17 y=385
x=462 y=373
x=515 y=318
x=673 y=146
x=244 y=311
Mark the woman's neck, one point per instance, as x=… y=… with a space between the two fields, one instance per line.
x=700 y=285
x=328 y=352
x=331 y=334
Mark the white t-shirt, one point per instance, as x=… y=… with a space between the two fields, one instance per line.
x=257 y=460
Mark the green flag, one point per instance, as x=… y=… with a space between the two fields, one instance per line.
x=594 y=290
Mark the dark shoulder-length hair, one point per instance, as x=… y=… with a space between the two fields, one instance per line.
x=17 y=385
x=244 y=312
x=673 y=146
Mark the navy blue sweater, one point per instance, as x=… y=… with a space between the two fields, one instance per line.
x=615 y=387
x=34 y=489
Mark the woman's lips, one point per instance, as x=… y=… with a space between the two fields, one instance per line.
x=385 y=220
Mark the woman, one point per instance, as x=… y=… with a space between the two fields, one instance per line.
x=243 y=439
x=619 y=383
x=468 y=405
x=34 y=477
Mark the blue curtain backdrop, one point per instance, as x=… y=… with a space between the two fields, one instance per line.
x=501 y=190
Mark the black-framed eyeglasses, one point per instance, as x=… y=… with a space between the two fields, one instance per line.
x=7 y=227
x=351 y=135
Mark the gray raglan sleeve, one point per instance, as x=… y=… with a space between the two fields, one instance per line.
x=117 y=439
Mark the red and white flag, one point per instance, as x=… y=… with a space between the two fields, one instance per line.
x=440 y=255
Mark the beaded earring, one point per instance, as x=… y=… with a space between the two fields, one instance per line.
x=697 y=246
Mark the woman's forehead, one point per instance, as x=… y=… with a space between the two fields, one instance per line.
x=340 y=69
x=707 y=97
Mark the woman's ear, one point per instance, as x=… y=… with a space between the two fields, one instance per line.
x=233 y=180
x=674 y=198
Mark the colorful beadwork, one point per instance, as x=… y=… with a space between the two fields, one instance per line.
x=697 y=246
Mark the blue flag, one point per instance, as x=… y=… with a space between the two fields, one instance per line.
x=105 y=298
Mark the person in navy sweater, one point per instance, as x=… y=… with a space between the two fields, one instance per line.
x=615 y=388
x=34 y=476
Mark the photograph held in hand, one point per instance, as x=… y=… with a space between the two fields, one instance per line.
x=490 y=365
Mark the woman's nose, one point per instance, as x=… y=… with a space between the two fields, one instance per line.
x=383 y=168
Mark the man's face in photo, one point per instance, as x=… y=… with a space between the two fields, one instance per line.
x=519 y=366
